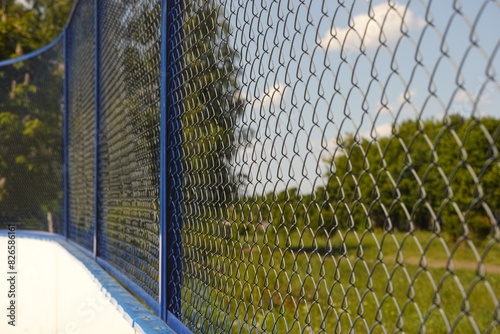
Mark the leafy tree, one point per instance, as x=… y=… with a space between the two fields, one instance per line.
x=429 y=175
x=26 y=28
x=208 y=95
x=30 y=112
x=212 y=107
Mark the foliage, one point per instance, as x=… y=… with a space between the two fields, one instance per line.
x=30 y=111
x=27 y=28
x=429 y=175
x=212 y=107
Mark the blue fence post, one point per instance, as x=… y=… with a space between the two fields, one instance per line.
x=65 y=138
x=170 y=164
x=97 y=42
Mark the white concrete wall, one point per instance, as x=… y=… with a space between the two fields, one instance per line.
x=55 y=294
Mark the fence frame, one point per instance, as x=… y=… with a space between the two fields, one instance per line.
x=65 y=139
x=97 y=89
x=168 y=306
x=170 y=209
x=168 y=303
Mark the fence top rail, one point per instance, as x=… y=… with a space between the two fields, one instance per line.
x=71 y=14
x=41 y=50
x=32 y=54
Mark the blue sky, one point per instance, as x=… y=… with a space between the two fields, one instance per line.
x=313 y=71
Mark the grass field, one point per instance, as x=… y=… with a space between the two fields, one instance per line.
x=369 y=282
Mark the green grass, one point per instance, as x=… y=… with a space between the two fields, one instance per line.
x=368 y=282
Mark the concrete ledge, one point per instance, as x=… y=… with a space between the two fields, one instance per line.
x=137 y=316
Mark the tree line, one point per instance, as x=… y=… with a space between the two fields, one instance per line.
x=442 y=176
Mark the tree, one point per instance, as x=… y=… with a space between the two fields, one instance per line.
x=209 y=97
x=26 y=28
x=429 y=175
x=31 y=114
x=212 y=107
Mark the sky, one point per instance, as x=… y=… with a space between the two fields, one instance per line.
x=25 y=3
x=314 y=71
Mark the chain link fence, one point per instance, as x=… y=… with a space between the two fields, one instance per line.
x=288 y=167
x=341 y=166
x=80 y=119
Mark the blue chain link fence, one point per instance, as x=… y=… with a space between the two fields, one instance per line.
x=80 y=125
x=270 y=166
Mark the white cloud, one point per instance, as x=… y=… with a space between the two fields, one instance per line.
x=384 y=22
x=273 y=95
x=393 y=106
x=383 y=130
x=463 y=96
x=463 y=103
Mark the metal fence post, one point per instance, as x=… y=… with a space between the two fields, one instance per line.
x=96 y=124
x=65 y=138
x=170 y=164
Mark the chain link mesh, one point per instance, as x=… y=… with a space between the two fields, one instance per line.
x=129 y=140
x=31 y=144
x=339 y=159
x=341 y=167
x=81 y=119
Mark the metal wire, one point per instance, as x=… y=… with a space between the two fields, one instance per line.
x=81 y=117
x=326 y=167
x=340 y=166
x=129 y=141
